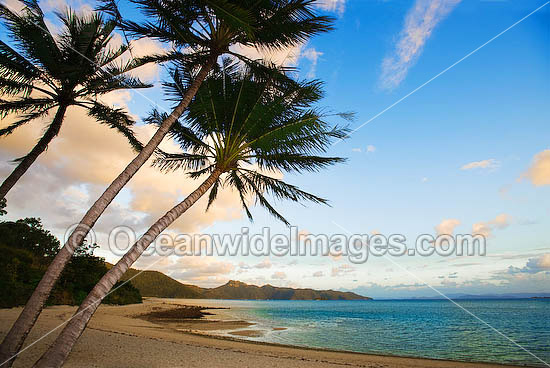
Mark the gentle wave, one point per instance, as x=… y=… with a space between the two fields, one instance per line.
x=435 y=329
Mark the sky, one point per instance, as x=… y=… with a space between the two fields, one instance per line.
x=451 y=136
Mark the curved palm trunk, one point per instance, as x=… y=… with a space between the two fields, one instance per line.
x=37 y=150
x=16 y=336
x=59 y=351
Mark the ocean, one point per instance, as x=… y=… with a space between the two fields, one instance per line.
x=435 y=329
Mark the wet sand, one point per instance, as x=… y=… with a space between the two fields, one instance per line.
x=152 y=335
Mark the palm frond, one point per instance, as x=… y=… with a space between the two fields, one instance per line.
x=106 y=82
x=184 y=136
x=234 y=15
x=76 y=66
x=14 y=68
x=307 y=133
x=186 y=161
x=27 y=118
x=25 y=105
x=168 y=21
x=290 y=23
x=206 y=170
x=262 y=200
x=279 y=189
x=293 y=162
x=30 y=33
x=12 y=88
x=236 y=182
x=213 y=193
x=118 y=119
x=106 y=57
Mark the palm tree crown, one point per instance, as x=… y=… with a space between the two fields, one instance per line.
x=239 y=128
x=71 y=69
x=251 y=127
x=200 y=30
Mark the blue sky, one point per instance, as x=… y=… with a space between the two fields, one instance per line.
x=492 y=105
x=405 y=170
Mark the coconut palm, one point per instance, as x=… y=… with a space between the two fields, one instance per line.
x=46 y=73
x=49 y=73
x=238 y=133
x=200 y=31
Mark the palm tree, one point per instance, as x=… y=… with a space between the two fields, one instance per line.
x=200 y=31
x=55 y=73
x=47 y=72
x=237 y=132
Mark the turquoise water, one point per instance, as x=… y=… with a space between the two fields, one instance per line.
x=429 y=328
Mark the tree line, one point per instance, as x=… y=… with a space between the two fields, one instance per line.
x=27 y=249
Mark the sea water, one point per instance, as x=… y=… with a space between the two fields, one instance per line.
x=503 y=331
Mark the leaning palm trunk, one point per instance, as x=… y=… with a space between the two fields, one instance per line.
x=249 y=123
x=41 y=146
x=59 y=351
x=16 y=336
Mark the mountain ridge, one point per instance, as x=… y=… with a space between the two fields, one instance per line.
x=157 y=284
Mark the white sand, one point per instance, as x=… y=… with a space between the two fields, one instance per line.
x=116 y=337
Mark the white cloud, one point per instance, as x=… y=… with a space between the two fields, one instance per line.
x=139 y=48
x=284 y=57
x=447 y=226
x=501 y=221
x=369 y=149
x=312 y=55
x=539 y=172
x=420 y=22
x=81 y=162
x=533 y=265
x=143 y=47
x=481 y=228
x=484 y=164
x=318 y=274
x=266 y=263
x=279 y=275
x=14 y=5
x=337 y=6
x=485 y=228
x=204 y=271
x=500 y=282
x=80 y=6
x=244 y=267
x=540 y=263
x=341 y=270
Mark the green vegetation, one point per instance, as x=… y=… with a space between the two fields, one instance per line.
x=240 y=290
x=157 y=284
x=27 y=249
x=3 y=204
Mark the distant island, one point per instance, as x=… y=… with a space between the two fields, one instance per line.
x=484 y=296
x=157 y=284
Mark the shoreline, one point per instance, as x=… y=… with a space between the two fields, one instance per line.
x=122 y=336
x=454 y=363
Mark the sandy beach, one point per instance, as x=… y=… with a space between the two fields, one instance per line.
x=152 y=334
